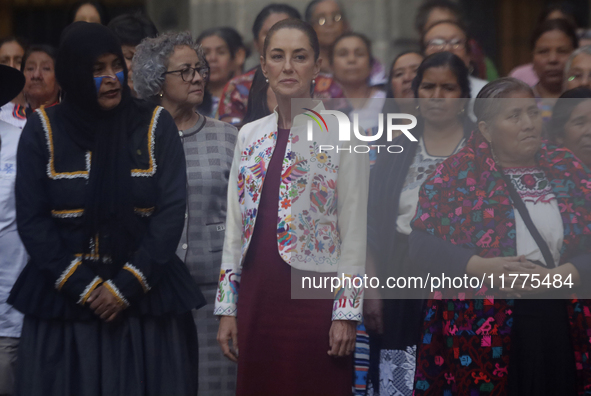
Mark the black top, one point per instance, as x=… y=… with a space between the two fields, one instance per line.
x=50 y=197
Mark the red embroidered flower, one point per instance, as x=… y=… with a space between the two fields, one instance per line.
x=286 y=203
x=529 y=181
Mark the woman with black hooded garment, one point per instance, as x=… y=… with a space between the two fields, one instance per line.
x=100 y=200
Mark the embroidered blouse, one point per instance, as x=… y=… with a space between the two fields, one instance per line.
x=536 y=192
x=321 y=222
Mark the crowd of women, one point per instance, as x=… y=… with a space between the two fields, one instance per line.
x=148 y=247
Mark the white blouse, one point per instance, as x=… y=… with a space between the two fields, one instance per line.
x=536 y=193
x=423 y=165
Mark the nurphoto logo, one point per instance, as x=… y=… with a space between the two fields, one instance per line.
x=345 y=130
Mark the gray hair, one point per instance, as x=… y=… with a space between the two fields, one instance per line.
x=150 y=61
x=484 y=108
x=582 y=50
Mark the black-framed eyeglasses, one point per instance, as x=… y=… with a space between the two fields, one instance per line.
x=188 y=73
x=334 y=18
x=439 y=44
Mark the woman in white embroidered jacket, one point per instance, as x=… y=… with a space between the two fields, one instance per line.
x=283 y=181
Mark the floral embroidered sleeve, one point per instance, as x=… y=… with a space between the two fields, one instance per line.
x=36 y=227
x=229 y=281
x=352 y=192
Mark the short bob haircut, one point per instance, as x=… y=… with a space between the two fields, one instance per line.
x=150 y=61
x=484 y=109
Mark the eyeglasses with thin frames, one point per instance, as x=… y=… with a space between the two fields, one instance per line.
x=439 y=44
x=188 y=74
x=334 y=18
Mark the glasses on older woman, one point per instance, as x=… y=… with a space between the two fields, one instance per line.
x=322 y=20
x=579 y=76
x=188 y=73
x=440 y=44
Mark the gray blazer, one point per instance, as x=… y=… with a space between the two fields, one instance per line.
x=209 y=149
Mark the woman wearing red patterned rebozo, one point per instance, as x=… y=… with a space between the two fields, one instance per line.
x=506 y=204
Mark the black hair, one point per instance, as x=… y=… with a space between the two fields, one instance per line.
x=312 y=6
x=565 y=8
x=230 y=36
x=131 y=29
x=555 y=24
x=19 y=40
x=257 y=99
x=273 y=8
x=48 y=49
x=300 y=25
x=425 y=10
x=444 y=59
x=360 y=36
x=102 y=11
x=390 y=105
x=458 y=24
x=389 y=91
x=563 y=109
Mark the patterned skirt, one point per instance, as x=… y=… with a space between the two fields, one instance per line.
x=393 y=353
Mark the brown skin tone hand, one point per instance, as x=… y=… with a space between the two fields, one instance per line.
x=104 y=304
x=342 y=337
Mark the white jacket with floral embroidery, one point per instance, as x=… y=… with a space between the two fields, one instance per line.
x=322 y=212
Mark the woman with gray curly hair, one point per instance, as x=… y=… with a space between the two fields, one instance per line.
x=171 y=69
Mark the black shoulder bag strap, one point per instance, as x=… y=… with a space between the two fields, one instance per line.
x=518 y=202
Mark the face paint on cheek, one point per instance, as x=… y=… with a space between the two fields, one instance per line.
x=98 y=81
x=120 y=76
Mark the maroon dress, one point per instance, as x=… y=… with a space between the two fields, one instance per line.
x=283 y=343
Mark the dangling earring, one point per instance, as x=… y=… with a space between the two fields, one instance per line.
x=492 y=151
